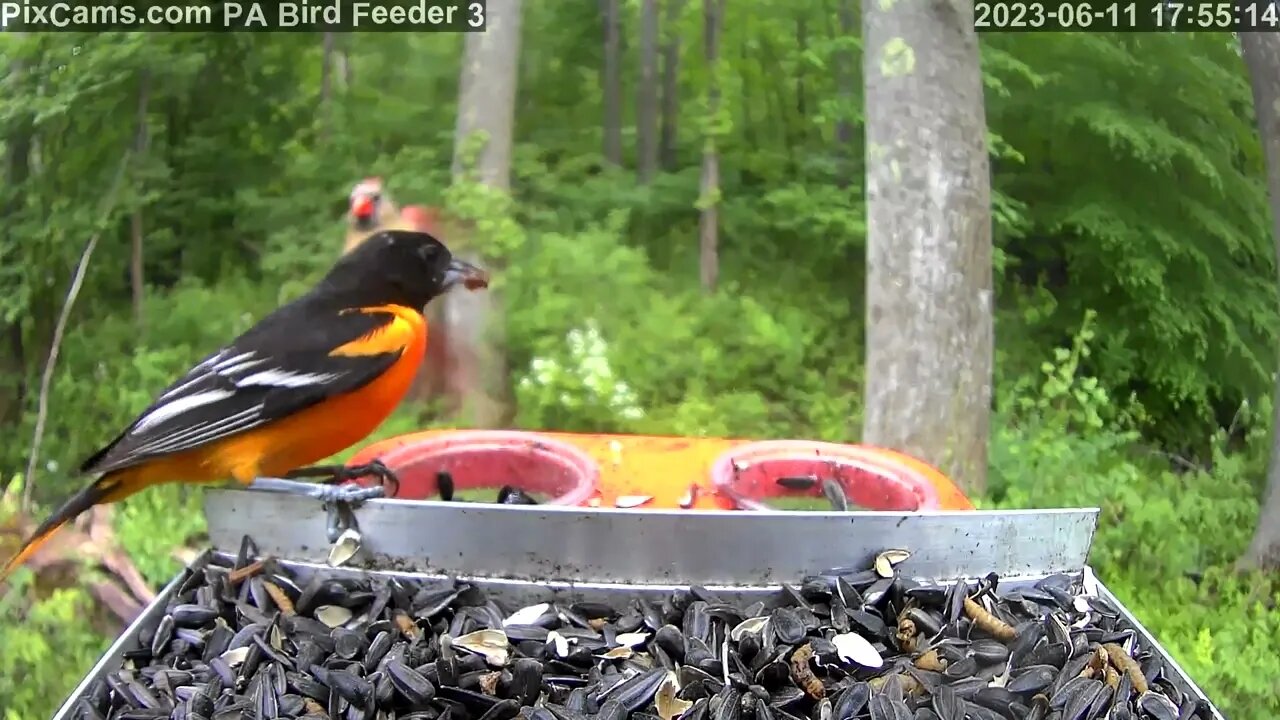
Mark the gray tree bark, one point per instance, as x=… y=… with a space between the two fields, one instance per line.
x=802 y=44
x=845 y=78
x=929 y=286
x=612 y=81
x=647 y=96
x=13 y=356
x=346 y=68
x=709 y=186
x=670 y=84
x=486 y=104
x=137 y=278
x=1262 y=56
x=326 y=82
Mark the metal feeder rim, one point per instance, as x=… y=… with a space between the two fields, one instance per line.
x=689 y=514
x=656 y=547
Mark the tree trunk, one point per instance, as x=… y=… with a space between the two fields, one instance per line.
x=647 y=97
x=746 y=101
x=1262 y=57
x=326 y=84
x=137 y=280
x=709 y=187
x=776 y=118
x=670 y=84
x=844 y=84
x=802 y=47
x=13 y=360
x=929 y=286
x=326 y=68
x=346 y=70
x=432 y=383
x=612 y=82
x=486 y=104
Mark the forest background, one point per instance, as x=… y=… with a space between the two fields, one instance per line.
x=680 y=232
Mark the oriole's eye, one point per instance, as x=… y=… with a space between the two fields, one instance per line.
x=428 y=252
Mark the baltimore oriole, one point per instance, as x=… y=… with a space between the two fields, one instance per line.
x=309 y=380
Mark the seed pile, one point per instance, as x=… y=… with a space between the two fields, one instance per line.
x=245 y=640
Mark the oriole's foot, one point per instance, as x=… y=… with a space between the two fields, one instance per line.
x=322 y=492
x=337 y=474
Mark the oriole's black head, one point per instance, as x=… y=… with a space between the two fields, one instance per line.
x=401 y=267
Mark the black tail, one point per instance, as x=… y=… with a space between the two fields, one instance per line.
x=92 y=495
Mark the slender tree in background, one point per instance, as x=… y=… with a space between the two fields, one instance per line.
x=929 y=250
x=802 y=45
x=17 y=168
x=647 y=95
x=1262 y=56
x=137 y=279
x=670 y=83
x=486 y=105
x=611 y=81
x=346 y=67
x=709 y=187
x=326 y=82
x=845 y=79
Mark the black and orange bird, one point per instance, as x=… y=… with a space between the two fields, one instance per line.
x=311 y=379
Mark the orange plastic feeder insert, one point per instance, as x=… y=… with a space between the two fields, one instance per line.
x=658 y=472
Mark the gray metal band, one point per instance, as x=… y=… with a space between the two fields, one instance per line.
x=651 y=547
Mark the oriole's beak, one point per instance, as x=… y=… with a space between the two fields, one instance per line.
x=466 y=275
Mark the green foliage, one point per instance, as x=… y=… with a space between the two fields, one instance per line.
x=48 y=648
x=1140 y=183
x=581 y=394
x=49 y=644
x=154 y=524
x=107 y=395
x=767 y=362
x=1166 y=540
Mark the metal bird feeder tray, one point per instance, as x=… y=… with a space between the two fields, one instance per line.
x=564 y=552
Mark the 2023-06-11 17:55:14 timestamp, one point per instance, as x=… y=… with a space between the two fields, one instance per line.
x=1126 y=16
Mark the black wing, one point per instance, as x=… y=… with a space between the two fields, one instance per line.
x=270 y=372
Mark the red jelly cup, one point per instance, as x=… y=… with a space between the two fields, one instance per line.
x=872 y=478
x=485 y=458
